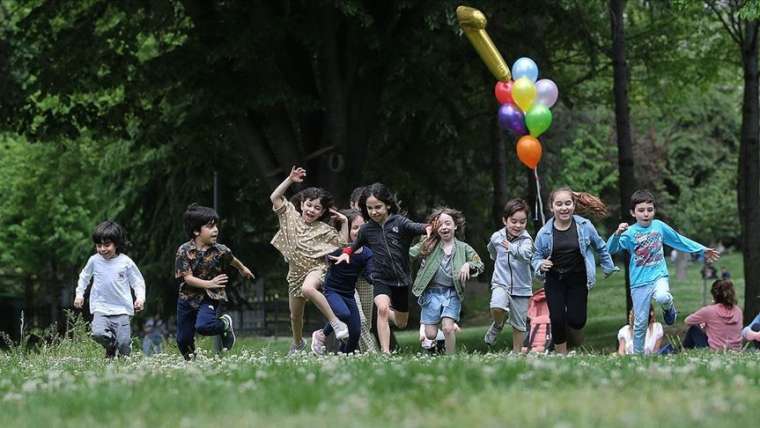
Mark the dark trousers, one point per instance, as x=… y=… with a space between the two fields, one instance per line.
x=345 y=308
x=695 y=338
x=204 y=320
x=567 y=298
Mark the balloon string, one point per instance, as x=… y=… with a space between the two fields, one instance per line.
x=539 y=200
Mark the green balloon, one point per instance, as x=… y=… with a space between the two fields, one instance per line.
x=538 y=119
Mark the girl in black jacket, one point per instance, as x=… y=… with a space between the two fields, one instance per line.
x=389 y=235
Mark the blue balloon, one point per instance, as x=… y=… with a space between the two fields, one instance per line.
x=525 y=67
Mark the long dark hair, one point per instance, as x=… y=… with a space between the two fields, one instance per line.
x=382 y=194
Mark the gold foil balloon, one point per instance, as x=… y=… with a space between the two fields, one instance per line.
x=524 y=93
x=473 y=23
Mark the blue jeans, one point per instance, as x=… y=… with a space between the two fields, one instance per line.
x=345 y=308
x=695 y=338
x=642 y=299
x=204 y=320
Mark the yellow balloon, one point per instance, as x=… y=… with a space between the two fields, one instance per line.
x=524 y=93
x=473 y=23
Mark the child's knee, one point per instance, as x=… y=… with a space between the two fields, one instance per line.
x=383 y=311
x=664 y=298
x=449 y=329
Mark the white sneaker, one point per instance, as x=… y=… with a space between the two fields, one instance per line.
x=341 y=330
x=427 y=344
x=318 y=342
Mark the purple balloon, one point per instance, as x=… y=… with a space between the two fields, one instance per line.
x=512 y=119
x=546 y=92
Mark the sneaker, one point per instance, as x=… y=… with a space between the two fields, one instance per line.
x=341 y=330
x=428 y=344
x=492 y=334
x=228 y=337
x=294 y=349
x=318 y=342
x=669 y=315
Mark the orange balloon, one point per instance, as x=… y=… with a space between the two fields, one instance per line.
x=529 y=151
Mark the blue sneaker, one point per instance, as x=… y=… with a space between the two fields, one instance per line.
x=669 y=315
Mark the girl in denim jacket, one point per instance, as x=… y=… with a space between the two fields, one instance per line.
x=564 y=257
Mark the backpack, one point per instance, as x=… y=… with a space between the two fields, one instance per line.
x=539 y=337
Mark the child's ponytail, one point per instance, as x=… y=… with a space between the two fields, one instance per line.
x=585 y=203
x=589 y=204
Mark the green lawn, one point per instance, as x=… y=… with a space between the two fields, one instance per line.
x=68 y=383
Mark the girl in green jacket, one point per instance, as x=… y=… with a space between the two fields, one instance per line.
x=447 y=264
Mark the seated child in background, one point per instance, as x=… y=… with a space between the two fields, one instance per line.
x=652 y=341
x=719 y=325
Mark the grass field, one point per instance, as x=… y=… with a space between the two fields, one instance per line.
x=68 y=383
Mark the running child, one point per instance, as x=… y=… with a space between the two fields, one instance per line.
x=447 y=264
x=564 y=257
x=389 y=236
x=648 y=270
x=200 y=267
x=114 y=276
x=511 y=249
x=340 y=291
x=304 y=239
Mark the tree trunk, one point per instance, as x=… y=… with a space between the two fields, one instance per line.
x=749 y=172
x=627 y=180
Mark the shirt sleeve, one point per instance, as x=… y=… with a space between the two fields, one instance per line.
x=523 y=250
x=681 y=243
x=657 y=331
x=491 y=247
x=605 y=259
x=622 y=333
x=476 y=264
x=136 y=281
x=84 y=278
x=411 y=228
x=617 y=243
x=182 y=265
x=701 y=316
x=538 y=257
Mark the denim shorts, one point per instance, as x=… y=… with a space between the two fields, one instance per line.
x=439 y=302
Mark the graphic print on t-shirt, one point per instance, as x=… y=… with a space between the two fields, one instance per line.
x=648 y=248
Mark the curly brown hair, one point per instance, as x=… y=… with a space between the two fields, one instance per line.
x=723 y=292
x=429 y=243
x=585 y=203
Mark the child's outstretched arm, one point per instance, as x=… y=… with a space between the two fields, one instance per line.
x=84 y=280
x=237 y=264
x=219 y=281
x=681 y=243
x=278 y=195
x=605 y=259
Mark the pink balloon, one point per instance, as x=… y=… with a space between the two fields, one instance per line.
x=546 y=92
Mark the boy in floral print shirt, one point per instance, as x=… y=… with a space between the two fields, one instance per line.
x=200 y=265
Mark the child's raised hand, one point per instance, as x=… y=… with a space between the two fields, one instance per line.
x=711 y=255
x=219 y=281
x=337 y=216
x=546 y=264
x=505 y=244
x=343 y=258
x=464 y=272
x=79 y=302
x=297 y=174
x=139 y=304
x=622 y=227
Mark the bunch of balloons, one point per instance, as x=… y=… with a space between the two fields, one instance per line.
x=525 y=103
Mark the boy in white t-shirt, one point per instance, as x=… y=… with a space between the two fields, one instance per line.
x=114 y=275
